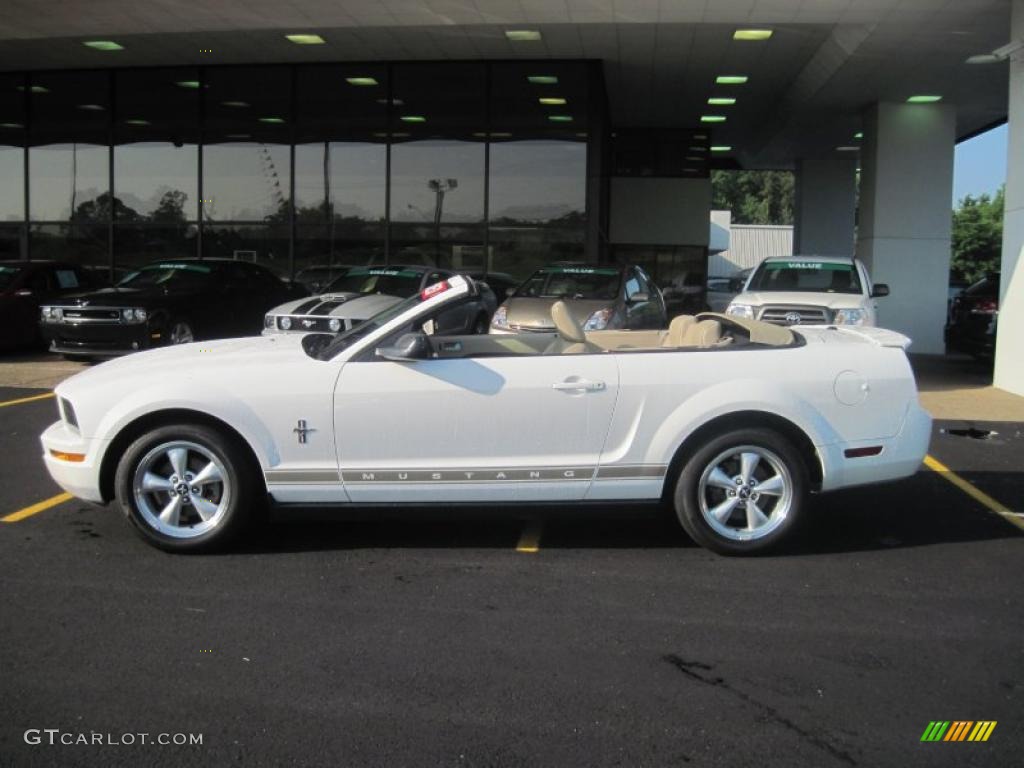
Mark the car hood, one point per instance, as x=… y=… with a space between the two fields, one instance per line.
x=802 y=298
x=119 y=297
x=526 y=312
x=314 y=305
x=348 y=306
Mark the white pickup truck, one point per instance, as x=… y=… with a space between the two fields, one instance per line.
x=809 y=290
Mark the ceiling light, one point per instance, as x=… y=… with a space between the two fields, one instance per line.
x=397 y=135
x=272 y=120
x=239 y=136
x=542 y=79
x=923 y=99
x=413 y=119
x=191 y=84
x=552 y=100
x=723 y=101
x=396 y=102
x=694 y=159
x=103 y=45
x=92 y=107
x=859 y=135
x=721 y=148
x=11 y=125
x=34 y=89
x=731 y=79
x=999 y=54
x=847 y=148
x=136 y=121
x=361 y=81
x=712 y=118
x=698 y=149
x=306 y=39
x=560 y=118
x=751 y=34
x=521 y=35
x=235 y=103
x=700 y=135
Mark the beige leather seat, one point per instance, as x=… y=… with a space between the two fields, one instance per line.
x=677 y=330
x=571 y=338
x=706 y=333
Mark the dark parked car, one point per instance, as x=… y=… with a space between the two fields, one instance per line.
x=163 y=303
x=973 y=318
x=24 y=287
x=501 y=283
x=599 y=297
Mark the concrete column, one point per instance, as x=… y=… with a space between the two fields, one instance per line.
x=906 y=192
x=1009 y=374
x=826 y=192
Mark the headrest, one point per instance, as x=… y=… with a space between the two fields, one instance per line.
x=566 y=324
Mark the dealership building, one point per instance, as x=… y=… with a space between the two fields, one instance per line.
x=499 y=135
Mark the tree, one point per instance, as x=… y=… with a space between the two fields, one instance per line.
x=754 y=197
x=977 y=236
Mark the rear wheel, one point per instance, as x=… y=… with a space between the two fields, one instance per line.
x=742 y=492
x=185 y=488
x=180 y=333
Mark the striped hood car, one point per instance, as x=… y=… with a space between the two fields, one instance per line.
x=362 y=292
x=734 y=422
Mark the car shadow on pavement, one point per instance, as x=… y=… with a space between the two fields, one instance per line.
x=924 y=510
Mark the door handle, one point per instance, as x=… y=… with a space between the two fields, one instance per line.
x=578 y=385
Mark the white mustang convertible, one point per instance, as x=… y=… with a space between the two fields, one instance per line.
x=732 y=421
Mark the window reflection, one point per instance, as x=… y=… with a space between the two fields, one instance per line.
x=12 y=140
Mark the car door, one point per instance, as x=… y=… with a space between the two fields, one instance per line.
x=517 y=428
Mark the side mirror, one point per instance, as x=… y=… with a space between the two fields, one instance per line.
x=638 y=298
x=878 y=290
x=410 y=346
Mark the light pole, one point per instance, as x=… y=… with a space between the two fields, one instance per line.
x=440 y=187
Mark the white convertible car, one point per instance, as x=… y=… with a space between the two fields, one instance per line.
x=732 y=421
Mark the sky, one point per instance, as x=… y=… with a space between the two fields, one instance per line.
x=979 y=164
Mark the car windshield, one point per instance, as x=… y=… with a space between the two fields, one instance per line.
x=572 y=283
x=7 y=275
x=987 y=286
x=806 y=276
x=393 y=282
x=177 y=274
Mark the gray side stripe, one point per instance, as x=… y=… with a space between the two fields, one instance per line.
x=302 y=476
x=472 y=475
x=631 y=471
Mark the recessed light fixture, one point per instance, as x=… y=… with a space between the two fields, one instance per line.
x=11 y=125
x=239 y=136
x=552 y=100
x=34 y=89
x=136 y=121
x=190 y=84
x=103 y=45
x=751 y=34
x=522 y=35
x=560 y=118
x=712 y=118
x=542 y=79
x=362 y=81
x=923 y=99
x=92 y=107
x=721 y=148
x=272 y=120
x=700 y=136
x=236 y=104
x=413 y=119
x=694 y=159
x=731 y=79
x=698 y=149
x=306 y=39
x=859 y=135
x=689 y=170
x=847 y=148
x=723 y=101
x=398 y=135
x=396 y=102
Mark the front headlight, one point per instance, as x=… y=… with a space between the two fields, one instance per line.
x=740 y=310
x=48 y=314
x=599 y=320
x=334 y=324
x=285 y=323
x=850 y=317
x=269 y=322
x=133 y=315
x=500 y=318
x=141 y=315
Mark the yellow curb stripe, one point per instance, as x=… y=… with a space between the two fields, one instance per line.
x=529 y=541
x=31 y=399
x=41 y=506
x=988 y=731
x=975 y=493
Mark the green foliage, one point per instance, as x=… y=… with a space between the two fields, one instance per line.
x=977 y=236
x=754 y=197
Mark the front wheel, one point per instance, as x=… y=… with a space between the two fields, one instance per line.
x=742 y=492
x=185 y=488
x=180 y=333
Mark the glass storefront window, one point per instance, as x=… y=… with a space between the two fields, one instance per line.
x=12 y=154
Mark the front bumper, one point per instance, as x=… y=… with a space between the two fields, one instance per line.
x=81 y=479
x=901 y=455
x=100 y=339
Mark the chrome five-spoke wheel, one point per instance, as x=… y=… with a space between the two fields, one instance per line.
x=745 y=492
x=181 y=489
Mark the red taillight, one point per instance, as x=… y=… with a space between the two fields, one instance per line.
x=433 y=290
x=985 y=307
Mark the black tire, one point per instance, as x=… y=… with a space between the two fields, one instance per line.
x=236 y=497
x=180 y=325
x=733 y=534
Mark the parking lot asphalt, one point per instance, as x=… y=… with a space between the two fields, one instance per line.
x=413 y=639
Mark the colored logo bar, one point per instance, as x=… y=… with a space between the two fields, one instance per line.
x=958 y=730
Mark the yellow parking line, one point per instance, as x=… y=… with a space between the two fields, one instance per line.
x=21 y=400
x=36 y=508
x=975 y=493
x=529 y=541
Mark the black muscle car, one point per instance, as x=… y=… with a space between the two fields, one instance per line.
x=163 y=303
x=25 y=286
